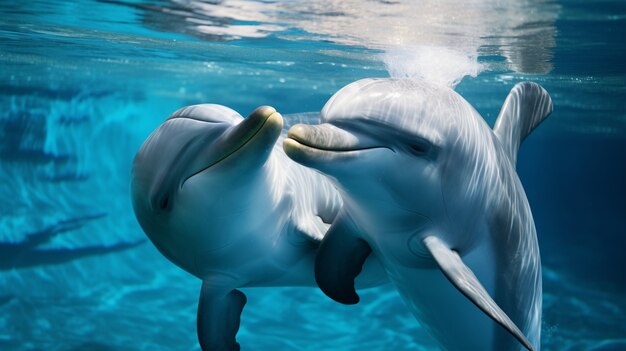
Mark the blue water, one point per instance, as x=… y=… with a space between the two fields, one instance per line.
x=83 y=83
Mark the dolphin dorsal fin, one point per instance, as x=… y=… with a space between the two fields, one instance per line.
x=527 y=105
x=462 y=277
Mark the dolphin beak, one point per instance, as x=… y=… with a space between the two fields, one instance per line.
x=324 y=137
x=264 y=118
x=314 y=144
x=257 y=133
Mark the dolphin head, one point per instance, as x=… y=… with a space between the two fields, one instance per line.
x=389 y=144
x=180 y=172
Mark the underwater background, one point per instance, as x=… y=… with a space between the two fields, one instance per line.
x=83 y=83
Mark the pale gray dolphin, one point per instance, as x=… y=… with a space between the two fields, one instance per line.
x=218 y=197
x=433 y=192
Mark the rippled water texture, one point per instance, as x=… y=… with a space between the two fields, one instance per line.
x=83 y=83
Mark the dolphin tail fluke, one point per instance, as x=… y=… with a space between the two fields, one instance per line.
x=466 y=282
x=339 y=261
x=527 y=105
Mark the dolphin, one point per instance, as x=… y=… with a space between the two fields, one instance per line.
x=432 y=191
x=218 y=197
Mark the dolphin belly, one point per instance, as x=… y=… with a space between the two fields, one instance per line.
x=443 y=311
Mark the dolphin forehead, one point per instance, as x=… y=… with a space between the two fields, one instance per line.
x=164 y=157
x=208 y=113
x=187 y=128
x=422 y=109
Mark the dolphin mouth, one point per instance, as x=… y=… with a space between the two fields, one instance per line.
x=326 y=138
x=260 y=120
x=325 y=141
x=291 y=142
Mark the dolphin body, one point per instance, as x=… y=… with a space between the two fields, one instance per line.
x=218 y=197
x=432 y=191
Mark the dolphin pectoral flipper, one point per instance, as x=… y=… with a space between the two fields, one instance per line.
x=466 y=282
x=218 y=318
x=339 y=261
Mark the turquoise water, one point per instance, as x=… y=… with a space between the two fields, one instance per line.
x=83 y=83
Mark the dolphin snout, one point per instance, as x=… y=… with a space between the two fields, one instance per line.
x=325 y=137
x=262 y=114
x=261 y=117
x=262 y=126
x=318 y=146
x=251 y=140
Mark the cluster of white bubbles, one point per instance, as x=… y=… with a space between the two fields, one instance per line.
x=440 y=65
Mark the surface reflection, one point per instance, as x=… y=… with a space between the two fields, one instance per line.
x=522 y=32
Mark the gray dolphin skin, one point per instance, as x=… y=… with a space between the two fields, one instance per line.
x=431 y=190
x=218 y=197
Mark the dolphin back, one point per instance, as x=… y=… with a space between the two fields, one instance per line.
x=526 y=106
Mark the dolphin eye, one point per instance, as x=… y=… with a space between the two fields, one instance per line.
x=165 y=203
x=418 y=149
x=161 y=203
